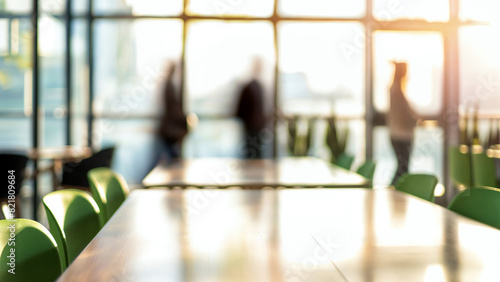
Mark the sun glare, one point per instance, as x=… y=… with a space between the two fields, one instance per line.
x=422 y=51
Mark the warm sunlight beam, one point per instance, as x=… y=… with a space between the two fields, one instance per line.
x=422 y=51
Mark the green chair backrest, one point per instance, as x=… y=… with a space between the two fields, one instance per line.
x=74 y=221
x=419 y=185
x=479 y=203
x=367 y=169
x=109 y=190
x=35 y=252
x=459 y=164
x=483 y=170
x=345 y=161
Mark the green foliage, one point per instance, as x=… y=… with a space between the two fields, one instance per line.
x=336 y=139
x=299 y=141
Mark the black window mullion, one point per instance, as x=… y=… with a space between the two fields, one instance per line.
x=68 y=74
x=35 y=101
x=90 y=62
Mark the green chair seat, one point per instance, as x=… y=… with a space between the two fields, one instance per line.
x=74 y=221
x=367 y=170
x=36 y=255
x=109 y=190
x=419 y=185
x=483 y=170
x=345 y=161
x=479 y=203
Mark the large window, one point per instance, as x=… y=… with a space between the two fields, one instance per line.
x=215 y=74
x=319 y=59
x=423 y=53
x=15 y=82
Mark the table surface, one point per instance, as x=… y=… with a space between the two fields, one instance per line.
x=52 y=153
x=287 y=235
x=256 y=173
x=60 y=153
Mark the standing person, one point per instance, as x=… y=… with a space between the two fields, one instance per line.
x=173 y=126
x=251 y=111
x=401 y=120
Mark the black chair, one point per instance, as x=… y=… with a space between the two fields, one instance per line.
x=12 y=171
x=74 y=174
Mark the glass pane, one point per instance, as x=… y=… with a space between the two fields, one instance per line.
x=15 y=64
x=214 y=138
x=355 y=139
x=129 y=69
x=80 y=83
x=255 y=8
x=426 y=154
x=322 y=74
x=129 y=64
x=16 y=6
x=15 y=133
x=80 y=6
x=4 y=37
x=219 y=58
x=321 y=68
x=52 y=6
x=52 y=86
x=139 y=7
x=423 y=54
x=323 y=8
x=479 y=10
x=15 y=84
x=135 y=155
x=219 y=61
x=480 y=66
x=429 y=10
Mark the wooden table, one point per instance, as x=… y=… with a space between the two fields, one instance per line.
x=287 y=235
x=256 y=173
x=57 y=156
x=63 y=153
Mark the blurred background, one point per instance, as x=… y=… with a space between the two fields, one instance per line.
x=89 y=73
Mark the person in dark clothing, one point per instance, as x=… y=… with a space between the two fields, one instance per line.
x=251 y=111
x=173 y=126
x=401 y=120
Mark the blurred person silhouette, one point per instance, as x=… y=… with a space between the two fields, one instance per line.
x=172 y=127
x=251 y=111
x=401 y=120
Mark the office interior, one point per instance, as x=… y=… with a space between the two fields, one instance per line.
x=90 y=74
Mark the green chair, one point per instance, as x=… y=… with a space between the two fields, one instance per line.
x=109 y=190
x=460 y=171
x=479 y=203
x=73 y=220
x=367 y=170
x=345 y=161
x=483 y=170
x=36 y=255
x=418 y=185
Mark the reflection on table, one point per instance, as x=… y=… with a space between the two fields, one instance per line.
x=287 y=235
x=257 y=173
x=62 y=153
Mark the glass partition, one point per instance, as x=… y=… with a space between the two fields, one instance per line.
x=423 y=89
x=322 y=8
